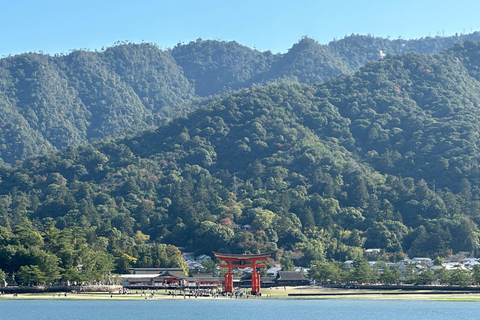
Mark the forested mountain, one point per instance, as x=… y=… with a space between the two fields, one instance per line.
x=49 y=102
x=384 y=158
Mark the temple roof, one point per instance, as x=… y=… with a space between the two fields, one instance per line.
x=151 y=270
x=290 y=275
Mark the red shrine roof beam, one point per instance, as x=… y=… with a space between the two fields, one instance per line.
x=239 y=260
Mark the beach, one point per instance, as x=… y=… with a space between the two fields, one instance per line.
x=291 y=293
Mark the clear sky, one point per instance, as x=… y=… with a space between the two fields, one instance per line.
x=57 y=26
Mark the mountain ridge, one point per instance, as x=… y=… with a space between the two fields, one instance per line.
x=49 y=102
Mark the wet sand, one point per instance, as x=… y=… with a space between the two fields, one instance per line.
x=318 y=292
x=293 y=293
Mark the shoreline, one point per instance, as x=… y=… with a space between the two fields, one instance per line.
x=313 y=293
x=287 y=293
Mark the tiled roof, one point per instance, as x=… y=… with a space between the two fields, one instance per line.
x=290 y=275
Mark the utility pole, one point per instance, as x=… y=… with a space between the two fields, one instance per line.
x=235 y=185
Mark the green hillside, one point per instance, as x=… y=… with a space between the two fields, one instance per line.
x=384 y=158
x=52 y=102
x=49 y=102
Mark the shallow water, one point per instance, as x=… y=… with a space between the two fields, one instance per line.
x=236 y=309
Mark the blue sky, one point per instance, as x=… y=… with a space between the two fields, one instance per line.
x=57 y=26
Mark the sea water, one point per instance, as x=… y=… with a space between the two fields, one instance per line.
x=202 y=309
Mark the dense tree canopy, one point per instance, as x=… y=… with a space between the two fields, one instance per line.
x=385 y=157
x=50 y=102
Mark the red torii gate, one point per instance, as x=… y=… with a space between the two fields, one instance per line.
x=240 y=261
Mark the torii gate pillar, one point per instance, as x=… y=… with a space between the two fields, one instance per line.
x=242 y=261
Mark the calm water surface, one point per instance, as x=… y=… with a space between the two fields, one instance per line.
x=236 y=309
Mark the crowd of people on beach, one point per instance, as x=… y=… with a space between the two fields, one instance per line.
x=214 y=293
x=188 y=293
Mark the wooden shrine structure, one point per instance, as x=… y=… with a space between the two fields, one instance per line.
x=242 y=261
